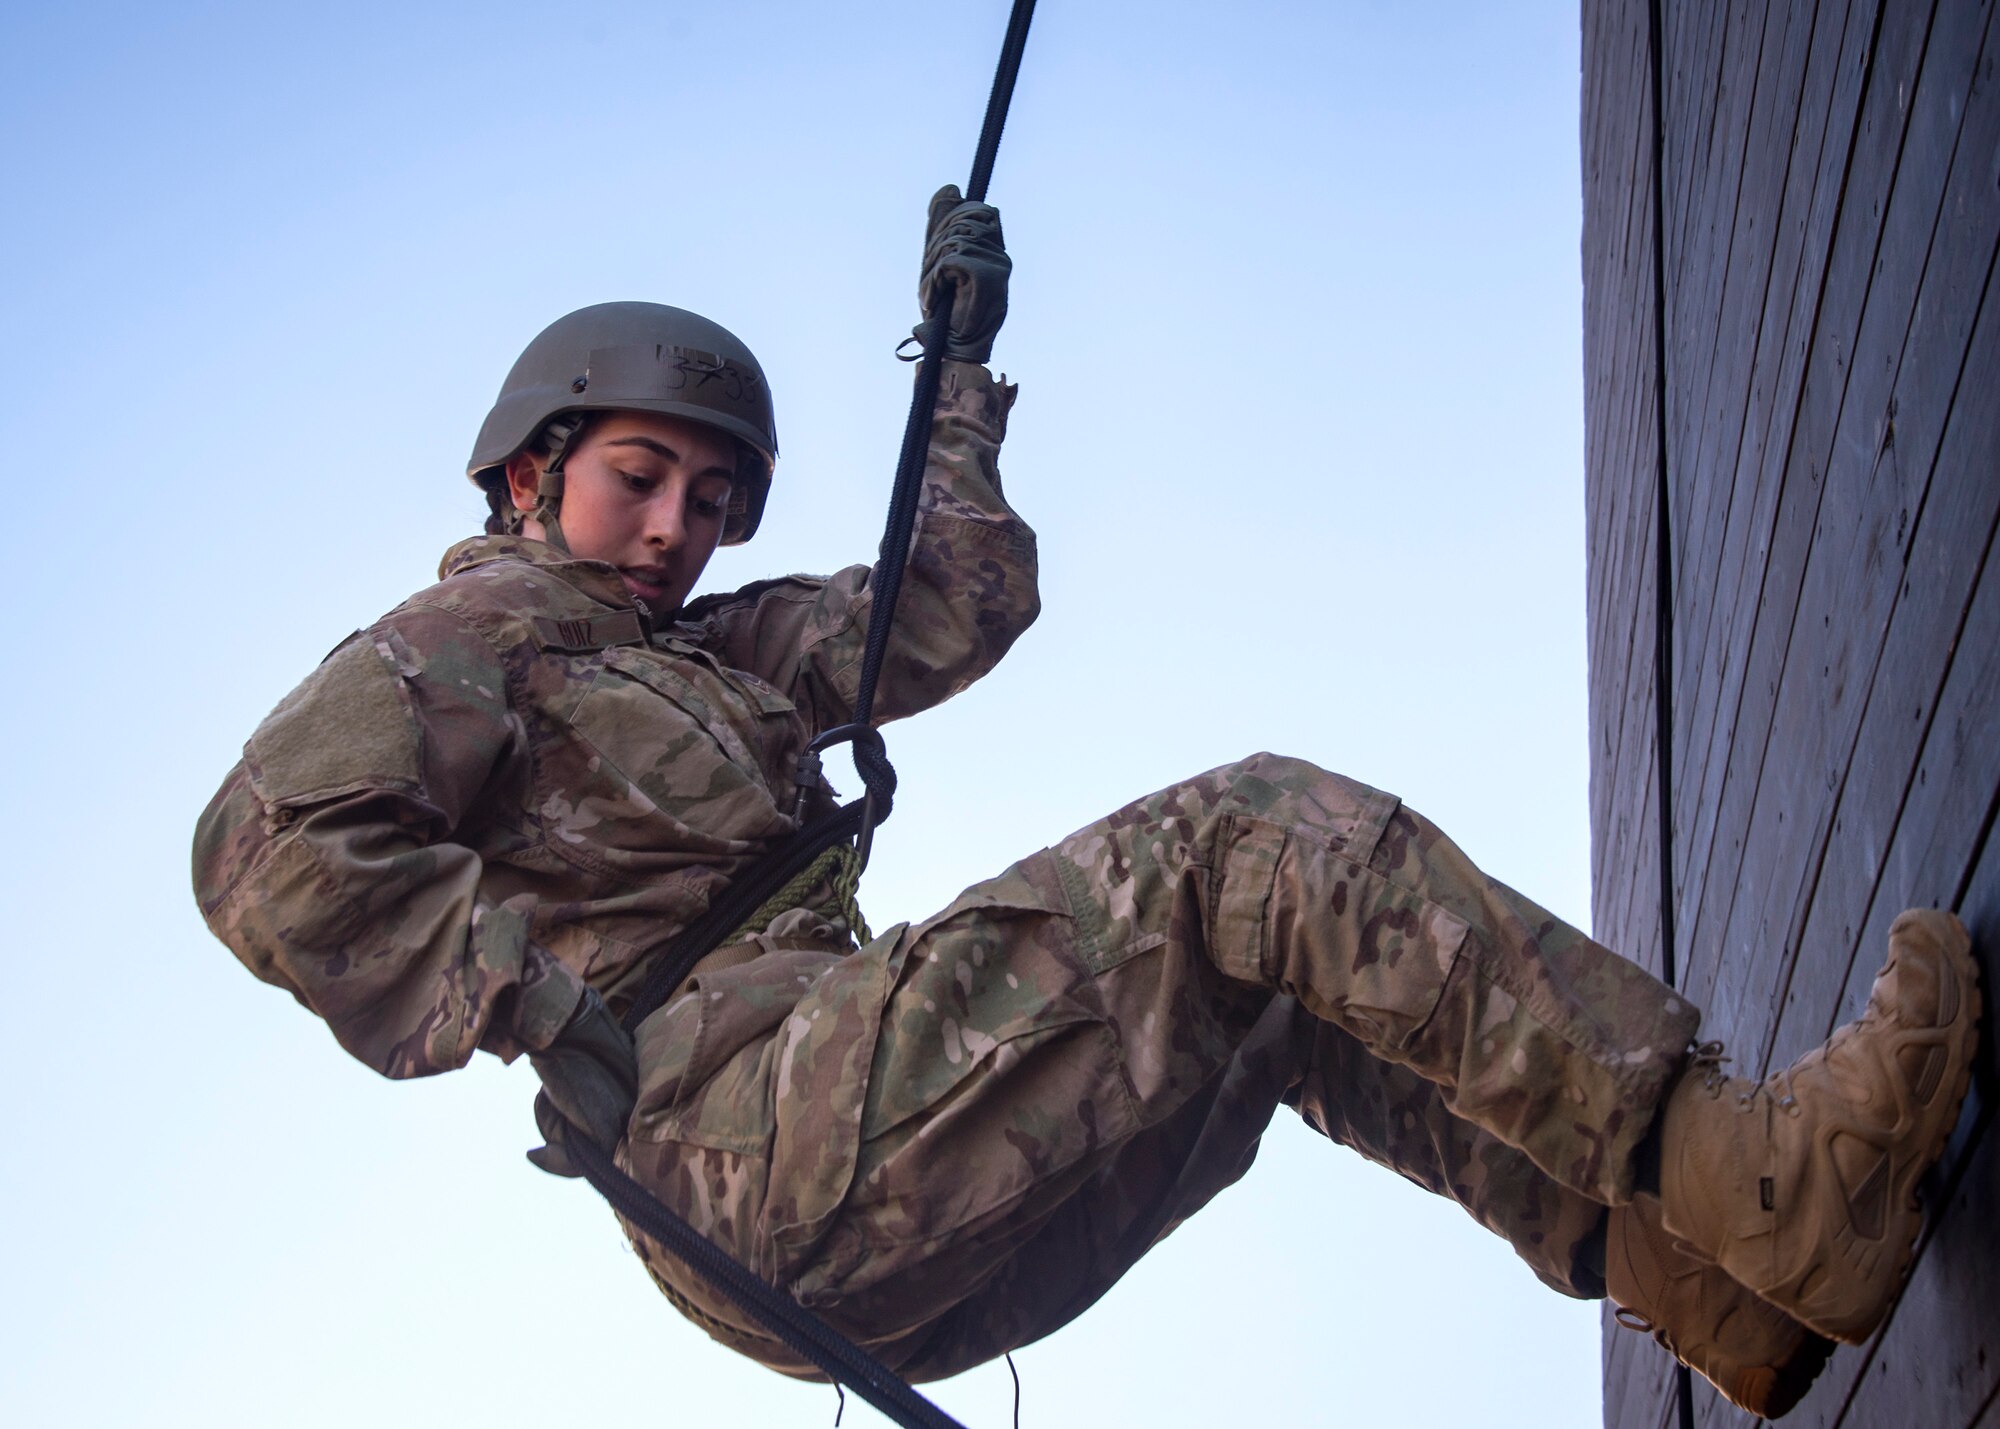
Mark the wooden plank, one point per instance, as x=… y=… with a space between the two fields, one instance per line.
x=1940 y=1361
x=1754 y=223
x=1737 y=989
x=1618 y=707
x=1622 y=540
x=1805 y=211
x=1828 y=663
x=1600 y=240
x=1940 y=1355
x=1699 y=303
x=1937 y=1348
x=1626 y=772
x=1638 y=1376
x=1628 y=455
x=1944 y=852
x=1925 y=756
x=1838 y=662
x=1697 y=36
x=1630 y=859
x=1695 y=31
x=1618 y=312
x=1781 y=493
x=1950 y=800
x=1634 y=296
x=1631 y=904
x=1618 y=361
x=1811 y=203
x=1623 y=703
x=1631 y=461
x=1955 y=269
x=1624 y=619
x=1937 y=500
x=1711 y=451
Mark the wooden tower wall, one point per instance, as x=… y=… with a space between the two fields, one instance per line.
x=1832 y=203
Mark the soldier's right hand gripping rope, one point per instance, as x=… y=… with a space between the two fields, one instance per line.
x=590 y=1082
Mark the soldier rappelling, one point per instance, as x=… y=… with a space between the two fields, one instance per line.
x=483 y=821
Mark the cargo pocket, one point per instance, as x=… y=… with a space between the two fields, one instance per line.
x=693 y=762
x=706 y=1059
x=1359 y=950
x=718 y=1069
x=996 y=1083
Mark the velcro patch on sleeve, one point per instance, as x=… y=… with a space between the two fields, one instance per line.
x=350 y=726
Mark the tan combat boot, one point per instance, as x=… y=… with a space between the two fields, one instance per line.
x=1802 y=1187
x=1759 y=1357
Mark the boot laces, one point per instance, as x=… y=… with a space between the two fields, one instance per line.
x=1633 y=1320
x=1708 y=1058
x=1778 y=1087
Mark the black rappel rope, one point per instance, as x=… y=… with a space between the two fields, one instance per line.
x=798 y=1328
x=887 y=581
x=1663 y=574
x=858 y=819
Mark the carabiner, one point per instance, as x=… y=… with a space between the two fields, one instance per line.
x=861 y=736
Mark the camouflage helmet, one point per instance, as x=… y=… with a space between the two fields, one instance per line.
x=635 y=357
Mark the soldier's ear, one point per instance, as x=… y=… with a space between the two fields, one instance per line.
x=524 y=476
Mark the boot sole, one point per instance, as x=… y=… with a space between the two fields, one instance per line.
x=1773 y=1391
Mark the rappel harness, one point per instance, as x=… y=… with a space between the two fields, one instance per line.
x=840 y=837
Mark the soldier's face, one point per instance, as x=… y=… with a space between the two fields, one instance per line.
x=646 y=493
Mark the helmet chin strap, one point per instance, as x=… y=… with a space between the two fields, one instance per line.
x=556 y=436
x=548 y=500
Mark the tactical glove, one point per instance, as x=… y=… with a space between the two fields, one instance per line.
x=963 y=247
x=590 y=1081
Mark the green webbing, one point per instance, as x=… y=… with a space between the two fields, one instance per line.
x=839 y=866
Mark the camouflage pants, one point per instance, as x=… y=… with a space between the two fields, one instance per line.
x=954 y=1141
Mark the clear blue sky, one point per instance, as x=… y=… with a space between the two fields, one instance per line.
x=1296 y=322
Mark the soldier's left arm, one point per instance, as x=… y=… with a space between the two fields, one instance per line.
x=968 y=592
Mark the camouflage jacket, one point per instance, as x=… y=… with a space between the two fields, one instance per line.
x=514 y=783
